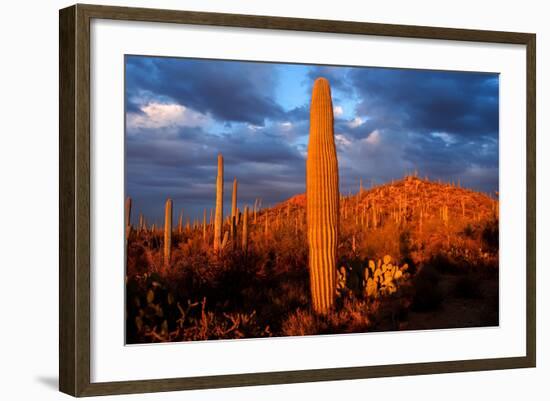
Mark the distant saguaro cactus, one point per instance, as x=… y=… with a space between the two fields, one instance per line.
x=127 y=215
x=225 y=239
x=167 y=232
x=234 y=212
x=218 y=222
x=245 y=230
x=322 y=198
x=204 y=225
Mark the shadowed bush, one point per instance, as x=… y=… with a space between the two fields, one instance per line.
x=467 y=287
x=427 y=292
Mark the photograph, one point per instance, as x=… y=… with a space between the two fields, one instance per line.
x=270 y=199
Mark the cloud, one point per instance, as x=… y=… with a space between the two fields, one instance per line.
x=338 y=111
x=287 y=125
x=158 y=115
x=229 y=91
x=448 y=139
x=342 y=141
x=373 y=138
x=356 y=122
x=458 y=103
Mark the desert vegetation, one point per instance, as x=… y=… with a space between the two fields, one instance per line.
x=409 y=254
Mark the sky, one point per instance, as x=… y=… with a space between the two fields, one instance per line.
x=180 y=113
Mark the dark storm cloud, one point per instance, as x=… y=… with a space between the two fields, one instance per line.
x=464 y=104
x=337 y=76
x=183 y=166
x=442 y=124
x=229 y=91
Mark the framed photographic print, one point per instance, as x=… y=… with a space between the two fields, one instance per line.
x=250 y=200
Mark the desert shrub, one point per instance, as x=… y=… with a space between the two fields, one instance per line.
x=469 y=231
x=405 y=244
x=443 y=263
x=138 y=259
x=300 y=323
x=410 y=262
x=467 y=287
x=354 y=316
x=427 y=292
x=490 y=236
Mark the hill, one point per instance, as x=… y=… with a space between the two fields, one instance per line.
x=410 y=218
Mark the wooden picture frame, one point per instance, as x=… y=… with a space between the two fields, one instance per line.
x=74 y=203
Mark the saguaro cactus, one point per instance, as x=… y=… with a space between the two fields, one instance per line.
x=167 y=232
x=322 y=201
x=218 y=222
x=141 y=224
x=127 y=215
x=225 y=239
x=245 y=230
x=234 y=212
x=204 y=225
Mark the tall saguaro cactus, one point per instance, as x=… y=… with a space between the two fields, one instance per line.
x=167 y=232
x=322 y=195
x=218 y=222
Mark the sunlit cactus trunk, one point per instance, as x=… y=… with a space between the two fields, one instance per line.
x=245 y=230
x=167 y=232
x=218 y=222
x=322 y=195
